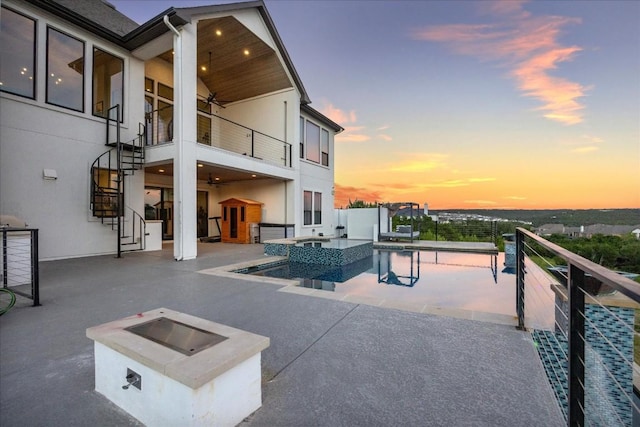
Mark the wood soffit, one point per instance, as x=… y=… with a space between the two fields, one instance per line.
x=232 y=74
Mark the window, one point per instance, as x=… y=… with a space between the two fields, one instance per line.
x=312 y=205
x=65 y=70
x=312 y=142
x=204 y=129
x=302 y=137
x=165 y=122
x=108 y=83
x=148 y=85
x=148 y=112
x=324 y=148
x=17 y=53
x=203 y=122
x=241 y=213
x=317 y=208
x=106 y=198
x=165 y=91
x=308 y=199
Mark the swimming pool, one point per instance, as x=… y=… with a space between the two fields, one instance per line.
x=466 y=281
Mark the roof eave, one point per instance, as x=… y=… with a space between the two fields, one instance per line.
x=76 y=19
x=321 y=117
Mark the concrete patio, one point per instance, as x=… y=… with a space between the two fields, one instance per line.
x=330 y=363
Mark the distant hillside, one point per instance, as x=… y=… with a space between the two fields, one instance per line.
x=568 y=217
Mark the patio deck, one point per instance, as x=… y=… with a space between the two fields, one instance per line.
x=330 y=363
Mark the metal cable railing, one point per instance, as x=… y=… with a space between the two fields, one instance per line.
x=222 y=133
x=20 y=269
x=589 y=354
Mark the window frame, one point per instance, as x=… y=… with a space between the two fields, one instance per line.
x=47 y=71
x=324 y=155
x=34 y=84
x=312 y=216
x=93 y=91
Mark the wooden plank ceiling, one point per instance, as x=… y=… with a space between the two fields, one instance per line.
x=234 y=63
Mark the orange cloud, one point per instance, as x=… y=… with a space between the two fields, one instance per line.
x=527 y=45
x=337 y=115
x=343 y=194
x=352 y=134
x=421 y=162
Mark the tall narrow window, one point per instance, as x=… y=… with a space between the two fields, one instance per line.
x=17 y=53
x=308 y=200
x=325 y=147
x=317 y=208
x=65 y=70
x=203 y=123
x=312 y=142
x=148 y=122
x=164 y=124
x=302 y=137
x=108 y=83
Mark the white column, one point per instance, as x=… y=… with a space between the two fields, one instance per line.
x=184 y=162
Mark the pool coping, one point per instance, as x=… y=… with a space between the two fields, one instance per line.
x=292 y=286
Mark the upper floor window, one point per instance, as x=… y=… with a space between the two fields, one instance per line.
x=302 y=137
x=17 y=53
x=65 y=70
x=324 y=148
x=108 y=83
x=312 y=142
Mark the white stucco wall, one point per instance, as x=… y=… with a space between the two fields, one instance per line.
x=362 y=223
x=36 y=136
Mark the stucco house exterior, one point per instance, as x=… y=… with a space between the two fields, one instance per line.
x=107 y=125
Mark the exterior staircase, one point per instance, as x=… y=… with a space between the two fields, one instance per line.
x=108 y=176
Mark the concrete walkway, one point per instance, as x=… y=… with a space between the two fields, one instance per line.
x=330 y=363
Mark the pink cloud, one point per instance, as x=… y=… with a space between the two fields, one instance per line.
x=339 y=116
x=528 y=46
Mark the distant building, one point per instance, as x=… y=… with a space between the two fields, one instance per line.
x=588 y=230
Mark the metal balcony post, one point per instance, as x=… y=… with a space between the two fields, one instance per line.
x=576 y=346
x=252 y=147
x=520 y=272
x=5 y=266
x=119 y=175
x=35 y=275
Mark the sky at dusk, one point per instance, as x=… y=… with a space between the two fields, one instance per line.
x=470 y=104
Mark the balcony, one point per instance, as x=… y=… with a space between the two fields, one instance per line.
x=336 y=362
x=221 y=133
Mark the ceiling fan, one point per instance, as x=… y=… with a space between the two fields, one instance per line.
x=215 y=182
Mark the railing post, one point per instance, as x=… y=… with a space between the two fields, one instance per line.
x=252 y=147
x=119 y=175
x=35 y=274
x=5 y=264
x=520 y=272
x=576 y=346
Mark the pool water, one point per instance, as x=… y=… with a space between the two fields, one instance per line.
x=477 y=282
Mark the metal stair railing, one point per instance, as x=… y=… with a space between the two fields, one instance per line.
x=107 y=201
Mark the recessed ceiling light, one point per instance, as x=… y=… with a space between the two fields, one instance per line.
x=200 y=165
x=160 y=170
x=217 y=178
x=246 y=52
x=218 y=33
x=203 y=68
x=253 y=176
